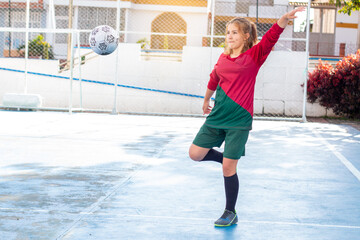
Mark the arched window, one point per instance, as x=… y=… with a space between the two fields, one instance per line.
x=168 y=22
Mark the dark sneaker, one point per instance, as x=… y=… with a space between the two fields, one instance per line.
x=227 y=219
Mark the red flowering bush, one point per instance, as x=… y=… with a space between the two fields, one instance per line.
x=318 y=82
x=337 y=88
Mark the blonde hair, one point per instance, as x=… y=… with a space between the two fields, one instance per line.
x=245 y=26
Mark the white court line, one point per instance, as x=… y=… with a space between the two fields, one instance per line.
x=341 y=157
x=246 y=221
x=93 y=207
x=208 y=219
x=35 y=210
x=24 y=210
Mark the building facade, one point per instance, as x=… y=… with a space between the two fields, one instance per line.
x=170 y=25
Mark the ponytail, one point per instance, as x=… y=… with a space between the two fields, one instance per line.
x=245 y=26
x=253 y=35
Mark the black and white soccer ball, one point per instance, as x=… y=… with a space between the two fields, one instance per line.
x=103 y=40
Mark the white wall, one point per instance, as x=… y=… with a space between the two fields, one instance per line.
x=278 y=87
x=275 y=11
x=140 y=26
x=195 y=31
x=358 y=39
x=344 y=18
x=196 y=28
x=347 y=35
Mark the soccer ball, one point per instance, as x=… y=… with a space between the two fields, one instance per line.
x=103 y=40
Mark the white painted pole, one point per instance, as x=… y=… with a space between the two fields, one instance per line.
x=118 y=13
x=27 y=45
x=79 y=61
x=126 y=24
x=70 y=26
x=213 y=2
x=71 y=71
x=118 y=17
x=51 y=15
x=307 y=60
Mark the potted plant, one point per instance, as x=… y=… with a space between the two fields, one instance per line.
x=38 y=48
x=144 y=43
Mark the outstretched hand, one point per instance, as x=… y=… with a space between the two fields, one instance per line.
x=291 y=14
x=283 y=21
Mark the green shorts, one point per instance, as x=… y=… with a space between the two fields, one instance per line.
x=235 y=140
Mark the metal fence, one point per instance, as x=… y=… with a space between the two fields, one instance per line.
x=166 y=52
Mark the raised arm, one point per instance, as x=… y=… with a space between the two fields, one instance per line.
x=261 y=50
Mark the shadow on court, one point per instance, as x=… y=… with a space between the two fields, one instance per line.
x=93 y=176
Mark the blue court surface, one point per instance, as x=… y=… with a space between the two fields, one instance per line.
x=100 y=176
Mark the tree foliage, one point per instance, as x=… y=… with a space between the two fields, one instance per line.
x=347 y=6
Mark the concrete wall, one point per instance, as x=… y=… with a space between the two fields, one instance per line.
x=278 y=89
x=347 y=35
x=195 y=31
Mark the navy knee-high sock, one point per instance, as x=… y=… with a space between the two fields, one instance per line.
x=231 y=191
x=213 y=155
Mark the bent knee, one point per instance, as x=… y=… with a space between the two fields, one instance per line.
x=195 y=156
x=197 y=153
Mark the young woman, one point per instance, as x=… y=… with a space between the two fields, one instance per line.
x=230 y=120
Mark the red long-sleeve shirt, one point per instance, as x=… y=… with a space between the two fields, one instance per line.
x=234 y=82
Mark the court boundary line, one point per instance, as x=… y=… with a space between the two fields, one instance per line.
x=203 y=219
x=93 y=207
x=245 y=221
x=341 y=157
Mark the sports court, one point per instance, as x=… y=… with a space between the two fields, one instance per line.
x=100 y=101
x=101 y=176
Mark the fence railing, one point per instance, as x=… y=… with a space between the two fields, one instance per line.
x=167 y=50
